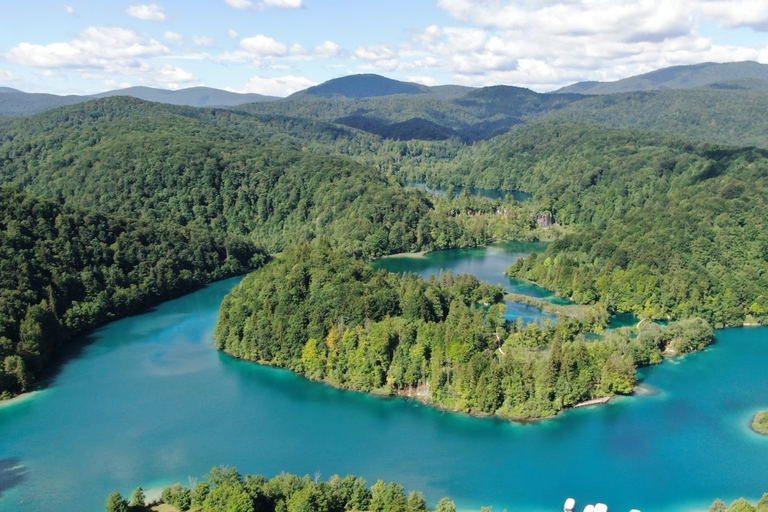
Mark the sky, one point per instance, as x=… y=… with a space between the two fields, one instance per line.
x=277 y=47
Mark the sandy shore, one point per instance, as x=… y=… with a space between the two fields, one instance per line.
x=18 y=399
x=419 y=254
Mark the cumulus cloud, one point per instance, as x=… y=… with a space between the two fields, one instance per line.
x=167 y=77
x=545 y=44
x=69 y=9
x=203 y=41
x=151 y=12
x=93 y=48
x=171 y=76
x=240 y=4
x=424 y=80
x=173 y=36
x=233 y=33
x=104 y=54
x=263 y=46
x=277 y=86
x=738 y=13
x=280 y=4
x=328 y=50
x=285 y=4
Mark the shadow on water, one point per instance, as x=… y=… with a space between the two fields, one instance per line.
x=12 y=473
x=71 y=351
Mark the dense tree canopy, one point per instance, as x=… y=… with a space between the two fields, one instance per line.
x=226 y=490
x=659 y=226
x=321 y=312
x=65 y=270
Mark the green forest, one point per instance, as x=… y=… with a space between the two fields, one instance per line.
x=225 y=489
x=65 y=270
x=118 y=204
x=658 y=226
x=321 y=312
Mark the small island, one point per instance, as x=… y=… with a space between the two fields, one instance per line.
x=760 y=423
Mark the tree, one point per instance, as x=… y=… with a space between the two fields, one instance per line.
x=228 y=498
x=445 y=505
x=116 y=503
x=138 y=498
x=741 y=505
x=416 y=503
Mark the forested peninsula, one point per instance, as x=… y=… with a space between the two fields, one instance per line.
x=323 y=313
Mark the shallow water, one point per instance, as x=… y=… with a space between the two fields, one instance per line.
x=150 y=402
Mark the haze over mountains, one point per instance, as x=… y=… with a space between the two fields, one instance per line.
x=17 y=103
x=711 y=102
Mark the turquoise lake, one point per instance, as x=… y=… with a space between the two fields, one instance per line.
x=148 y=401
x=486 y=193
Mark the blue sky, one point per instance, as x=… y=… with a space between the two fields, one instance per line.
x=277 y=47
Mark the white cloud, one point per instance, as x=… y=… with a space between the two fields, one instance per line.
x=93 y=48
x=240 y=4
x=233 y=33
x=545 y=44
x=173 y=36
x=738 y=13
x=285 y=4
x=171 y=76
x=375 y=53
x=167 y=77
x=203 y=41
x=328 y=50
x=105 y=55
x=151 y=12
x=69 y=9
x=263 y=46
x=280 y=4
x=424 y=80
x=277 y=86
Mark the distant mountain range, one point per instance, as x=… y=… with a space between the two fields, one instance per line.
x=722 y=103
x=735 y=75
x=17 y=103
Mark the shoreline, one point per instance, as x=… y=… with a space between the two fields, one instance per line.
x=417 y=395
x=759 y=423
x=18 y=399
x=419 y=254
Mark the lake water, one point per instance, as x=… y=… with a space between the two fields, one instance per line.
x=150 y=402
x=492 y=194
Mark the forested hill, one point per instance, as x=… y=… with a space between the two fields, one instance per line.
x=477 y=115
x=733 y=115
x=678 y=77
x=141 y=160
x=660 y=226
x=65 y=270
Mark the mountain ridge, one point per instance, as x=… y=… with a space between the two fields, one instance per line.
x=14 y=102
x=675 y=77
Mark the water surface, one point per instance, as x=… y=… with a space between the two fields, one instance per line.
x=150 y=402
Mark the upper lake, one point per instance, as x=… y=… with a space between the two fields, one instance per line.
x=148 y=401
